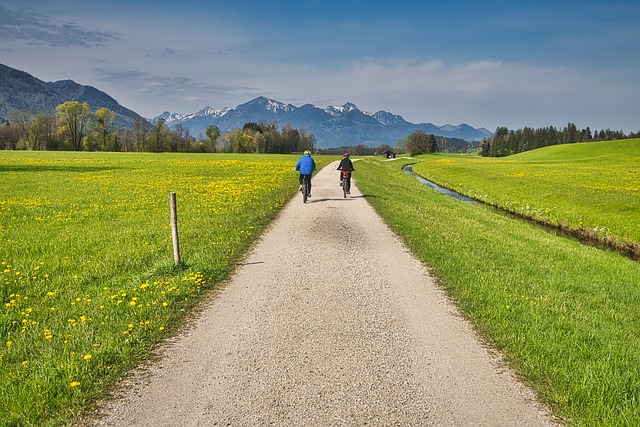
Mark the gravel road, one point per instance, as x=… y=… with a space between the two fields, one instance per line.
x=329 y=321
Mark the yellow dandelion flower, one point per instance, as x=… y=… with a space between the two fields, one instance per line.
x=74 y=384
x=9 y=343
x=87 y=357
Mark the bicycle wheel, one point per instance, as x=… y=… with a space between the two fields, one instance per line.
x=345 y=182
x=305 y=188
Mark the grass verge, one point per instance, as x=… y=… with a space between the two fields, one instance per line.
x=564 y=315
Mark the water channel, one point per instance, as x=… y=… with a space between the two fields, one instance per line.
x=409 y=171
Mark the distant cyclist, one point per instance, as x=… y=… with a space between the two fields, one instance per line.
x=346 y=167
x=306 y=165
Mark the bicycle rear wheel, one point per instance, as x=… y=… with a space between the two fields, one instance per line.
x=345 y=182
x=305 y=188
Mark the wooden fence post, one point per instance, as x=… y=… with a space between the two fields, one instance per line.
x=174 y=227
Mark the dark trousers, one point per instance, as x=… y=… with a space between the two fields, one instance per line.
x=301 y=180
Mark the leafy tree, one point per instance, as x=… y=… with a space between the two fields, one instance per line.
x=72 y=121
x=241 y=142
x=420 y=143
x=213 y=133
x=103 y=125
x=160 y=136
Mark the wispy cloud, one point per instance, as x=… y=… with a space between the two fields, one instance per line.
x=32 y=27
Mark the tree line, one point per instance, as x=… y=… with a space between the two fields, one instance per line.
x=74 y=127
x=506 y=142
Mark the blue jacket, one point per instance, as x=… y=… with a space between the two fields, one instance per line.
x=306 y=165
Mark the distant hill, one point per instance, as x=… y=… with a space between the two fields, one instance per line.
x=21 y=91
x=334 y=126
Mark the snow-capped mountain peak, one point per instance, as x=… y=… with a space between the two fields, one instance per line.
x=170 y=118
x=335 y=125
x=339 y=110
x=388 y=119
x=269 y=105
x=209 y=112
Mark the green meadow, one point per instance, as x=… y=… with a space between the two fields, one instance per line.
x=89 y=287
x=565 y=315
x=88 y=283
x=590 y=189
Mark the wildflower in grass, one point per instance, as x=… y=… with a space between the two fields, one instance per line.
x=87 y=357
x=9 y=343
x=74 y=384
x=48 y=334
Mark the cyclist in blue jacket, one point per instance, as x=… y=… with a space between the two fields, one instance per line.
x=306 y=165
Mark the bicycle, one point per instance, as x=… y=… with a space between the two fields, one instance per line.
x=346 y=183
x=306 y=187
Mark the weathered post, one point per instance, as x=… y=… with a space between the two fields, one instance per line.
x=174 y=227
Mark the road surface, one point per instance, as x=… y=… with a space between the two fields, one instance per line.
x=329 y=321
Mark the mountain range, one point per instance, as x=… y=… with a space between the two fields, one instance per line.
x=21 y=91
x=333 y=126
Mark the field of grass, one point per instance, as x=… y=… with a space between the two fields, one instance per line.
x=88 y=285
x=564 y=315
x=87 y=281
x=592 y=189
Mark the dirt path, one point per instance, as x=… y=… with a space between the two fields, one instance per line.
x=329 y=322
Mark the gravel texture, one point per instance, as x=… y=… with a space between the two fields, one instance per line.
x=329 y=321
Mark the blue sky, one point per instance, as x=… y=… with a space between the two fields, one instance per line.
x=487 y=64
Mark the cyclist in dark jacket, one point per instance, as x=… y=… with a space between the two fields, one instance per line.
x=306 y=165
x=346 y=166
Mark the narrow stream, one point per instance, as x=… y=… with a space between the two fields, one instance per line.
x=409 y=171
